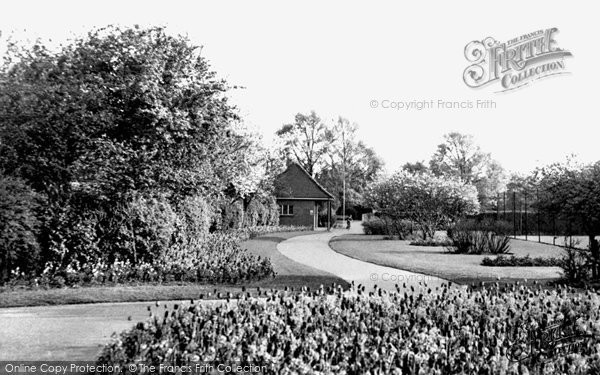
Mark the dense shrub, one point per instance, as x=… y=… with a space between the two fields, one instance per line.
x=19 y=247
x=498 y=243
x=431 y=242
x=253 y=214
x=471 y=236
x=158 y=227
x=401 y=229
x=576 y=263
x=155 y=227
x=376 y=226
x=237 y=214
x=81 y=229
x=232 y=215
x=77 y=228
x=271 y=217
x=197 y=215
x=526 y=261
x=574 y=266
x=462 y=239
x=261 y=212
x=449 y=331
x=428 y=201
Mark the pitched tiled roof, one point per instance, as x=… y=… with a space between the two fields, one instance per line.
x=296 y=182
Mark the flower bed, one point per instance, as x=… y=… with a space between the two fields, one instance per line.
x=526 y=261
x=218 y=258
x=447 y=331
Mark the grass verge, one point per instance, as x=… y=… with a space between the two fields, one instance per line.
x=436 y=261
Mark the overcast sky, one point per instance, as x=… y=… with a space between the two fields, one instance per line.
x=337 y=57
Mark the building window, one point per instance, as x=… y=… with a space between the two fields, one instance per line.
x=286 y=209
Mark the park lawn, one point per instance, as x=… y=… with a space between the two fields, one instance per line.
x=104 y=294
x=289 y=274
x=436 y=261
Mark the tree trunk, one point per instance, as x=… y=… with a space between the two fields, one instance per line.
x=134 y=244
x=595 y=250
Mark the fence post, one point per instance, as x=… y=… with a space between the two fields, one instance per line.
x=520 y=218
x=498 y=207
x=504 y=199
x=553 y=228
x=514 y=214
x=526 y=221
x=538 y=215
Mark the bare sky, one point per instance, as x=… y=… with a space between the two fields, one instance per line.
x=337 y=57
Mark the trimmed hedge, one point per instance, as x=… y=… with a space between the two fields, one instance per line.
x=526 y=261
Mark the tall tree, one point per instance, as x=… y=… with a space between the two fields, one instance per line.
x=429 y=201
x=416 y=167
x=305 y=141
x=114 y=111
x=111 y=118
x=349 y=164
x=491 y=185
x=571 y=191
x=459 y=157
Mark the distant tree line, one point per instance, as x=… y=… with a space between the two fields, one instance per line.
x=332 y=154
x=459 y=157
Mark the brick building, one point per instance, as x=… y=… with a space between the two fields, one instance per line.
x=300 y=197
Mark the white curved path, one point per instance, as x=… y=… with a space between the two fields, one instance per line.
x=313 y=250
x=68 y=332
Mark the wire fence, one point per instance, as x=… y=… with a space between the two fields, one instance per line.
x=528 y=222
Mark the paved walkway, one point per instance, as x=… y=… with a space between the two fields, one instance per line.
x=314 y=251
x=68 y=332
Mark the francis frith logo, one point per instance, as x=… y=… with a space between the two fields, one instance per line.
x=514 y=63
x=560 y=338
